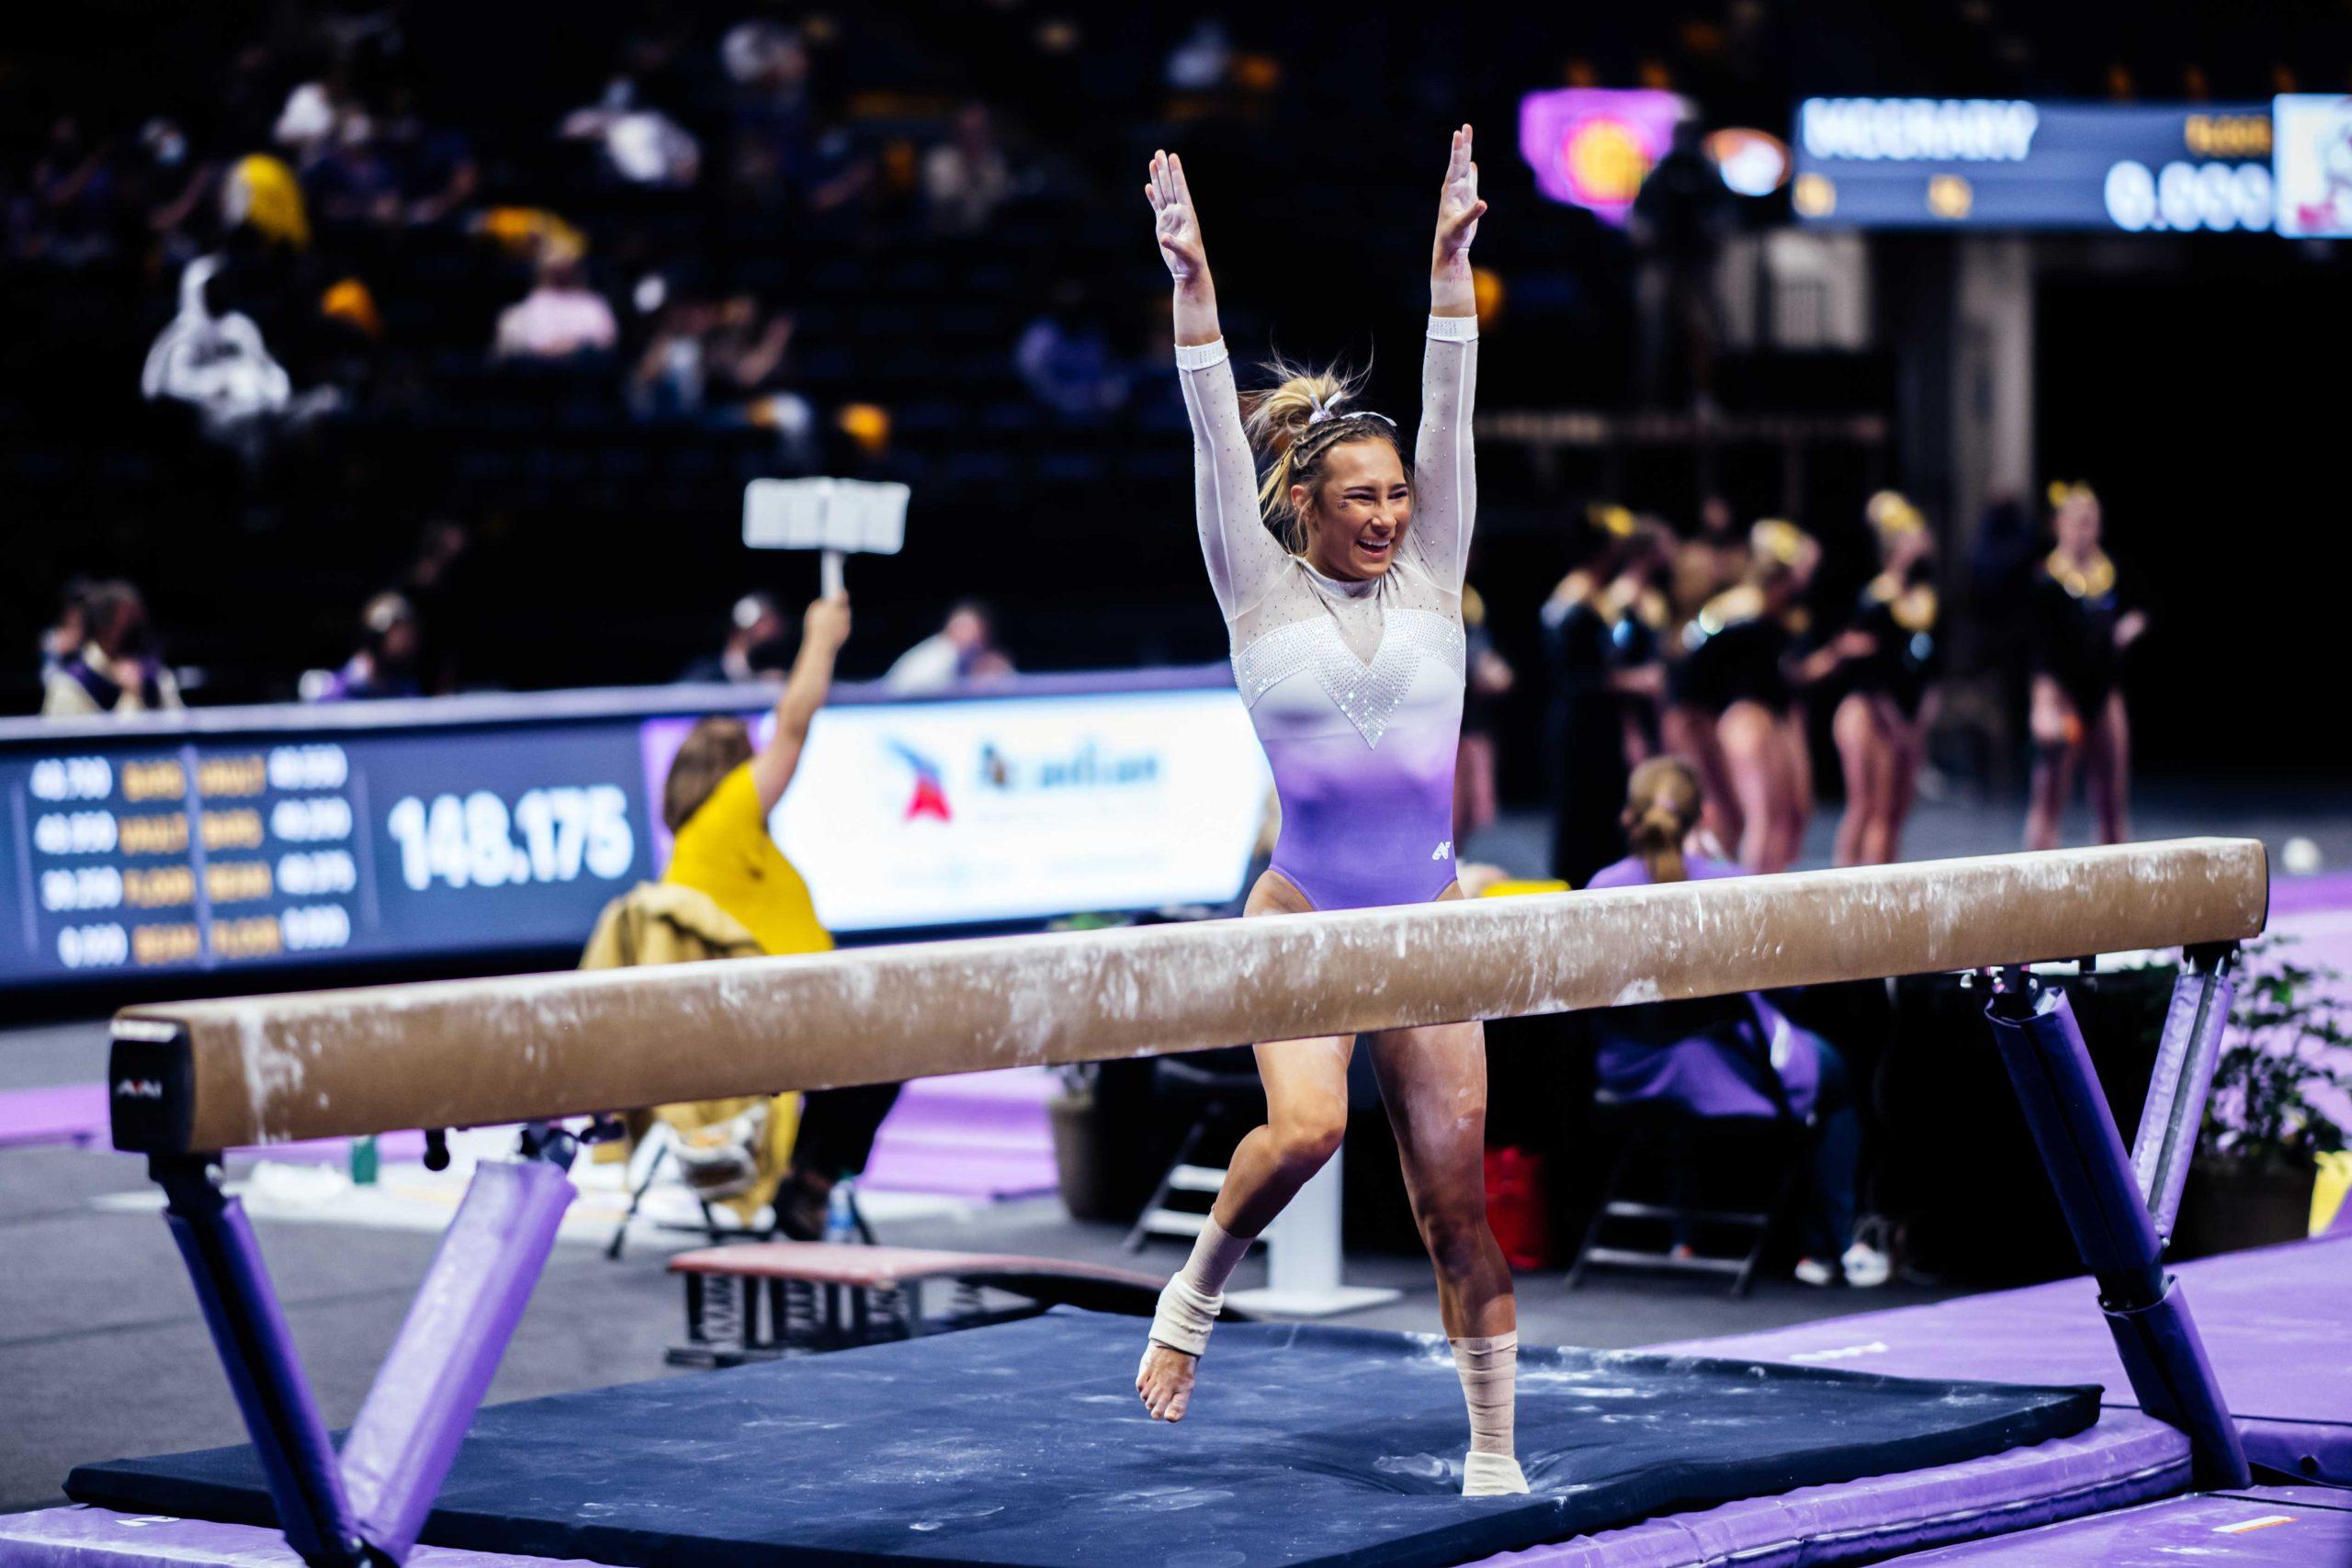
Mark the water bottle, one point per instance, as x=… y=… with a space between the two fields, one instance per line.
x=841 y=1214
x=364 y=1160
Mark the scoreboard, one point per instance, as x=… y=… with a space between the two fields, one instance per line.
x=2017 y=163
x=273 y=839
x=243 y=852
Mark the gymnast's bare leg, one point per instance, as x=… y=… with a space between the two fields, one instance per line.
x=1307 y=1114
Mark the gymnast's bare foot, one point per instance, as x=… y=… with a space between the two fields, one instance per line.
x=1165 y=1381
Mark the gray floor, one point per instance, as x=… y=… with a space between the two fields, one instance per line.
x=102 y=1353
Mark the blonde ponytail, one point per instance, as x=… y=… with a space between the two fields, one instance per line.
x=1662 y=802
x=1278 y=421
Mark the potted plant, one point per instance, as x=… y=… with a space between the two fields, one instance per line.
x=2279 y=1089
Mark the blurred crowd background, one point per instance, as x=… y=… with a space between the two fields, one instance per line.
x=418 y=347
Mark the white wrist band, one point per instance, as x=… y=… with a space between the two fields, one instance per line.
x=1448 y=329
x=1199 y=356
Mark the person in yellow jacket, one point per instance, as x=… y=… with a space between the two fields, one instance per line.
x=717 y=801
x=733 y=1152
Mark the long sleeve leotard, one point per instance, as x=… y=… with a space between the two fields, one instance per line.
x=1354 y=688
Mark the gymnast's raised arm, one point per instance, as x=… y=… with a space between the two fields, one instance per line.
x=1241 y=555
x=1445 y=473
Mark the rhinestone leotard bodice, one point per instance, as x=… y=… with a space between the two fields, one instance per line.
x=1354 y=688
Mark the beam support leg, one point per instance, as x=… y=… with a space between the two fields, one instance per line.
x=2059 y=1092
x=433 y=1380
x=249 y=1329
x=2186 y=1056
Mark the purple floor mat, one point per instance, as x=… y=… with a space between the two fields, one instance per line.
x=2264 y=1526
x=978 y=1135
x=66 y=1114
x=101 y=1537
x=2273 y=1321
x=2128 y=1457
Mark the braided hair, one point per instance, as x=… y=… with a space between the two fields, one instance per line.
x=1296 y=424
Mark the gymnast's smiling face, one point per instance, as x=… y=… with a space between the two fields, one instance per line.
x=1358 y=511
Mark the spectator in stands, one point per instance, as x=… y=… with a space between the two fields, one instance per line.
x=75 y=184
x=1724 y=1057
x=641 y=145
x=1065 y=358
x=718 y=798
x=433 y=166
x=561 y=318
x=438 y=585
x=314 y=114
x=962 y=650
x=965 y=177
x=1201 y=63
x=773 y=118
x=63 y=639
x=117 y=670
x=725 y=362
x=756 y=621
x=350 y=179
x=386 y=664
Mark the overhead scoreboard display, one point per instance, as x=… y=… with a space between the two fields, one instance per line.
x=2019 y=163
x=277 y=839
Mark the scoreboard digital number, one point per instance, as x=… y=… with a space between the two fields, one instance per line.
x=2014 y=163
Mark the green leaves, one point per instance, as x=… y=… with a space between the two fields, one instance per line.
x=2286 y=1042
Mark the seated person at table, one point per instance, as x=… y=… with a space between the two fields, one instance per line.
x=718 y=798
x=1733 y=1055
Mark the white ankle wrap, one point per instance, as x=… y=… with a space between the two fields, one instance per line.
x=1184 y=1317
x=1189 y=1305
x=1489 y=1370
x=1491 y=1475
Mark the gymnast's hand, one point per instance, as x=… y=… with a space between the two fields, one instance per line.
x=1458 y=211
x=1175 y=225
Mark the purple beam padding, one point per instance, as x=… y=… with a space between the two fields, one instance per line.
x=425 y=1393
x=2128 y=1457
x=101 y=1537
x=2262 y=1526
x=249 y=1330
x=2065 y=1111
x=2274 y=1317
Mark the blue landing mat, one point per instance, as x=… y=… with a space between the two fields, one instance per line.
x=1024 y=1445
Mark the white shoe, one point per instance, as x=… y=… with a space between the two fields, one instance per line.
x=1491 y=1475
x=1866 y=1267
x=1811 y=1272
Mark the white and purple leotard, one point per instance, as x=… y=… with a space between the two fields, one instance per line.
x=1354 y=688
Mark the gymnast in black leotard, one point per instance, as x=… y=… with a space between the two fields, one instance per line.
x=1741 y=664
x=2081 y=626
x=1880 y=723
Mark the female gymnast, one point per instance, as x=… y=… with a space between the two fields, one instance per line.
x=1881 y=724
x=1348 y=644
x=1743 y=668
x=1712 y=561
x=2081 y=630
x=1605 y=674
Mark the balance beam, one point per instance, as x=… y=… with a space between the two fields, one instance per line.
x=208 y=1076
